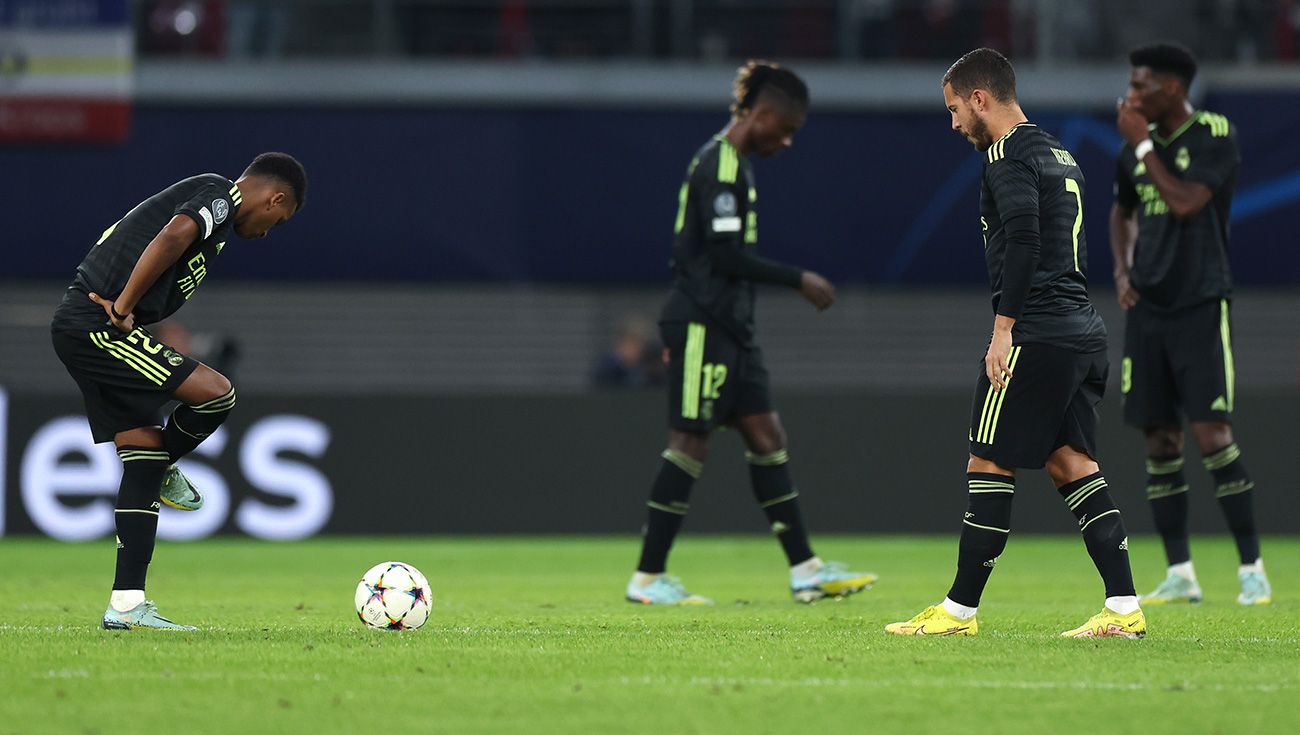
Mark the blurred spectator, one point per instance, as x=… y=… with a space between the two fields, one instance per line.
x=635 y=359
x=182 y=27
x=257 y=28
x=720 y=30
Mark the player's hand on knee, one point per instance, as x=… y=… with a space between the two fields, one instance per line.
x=817 y=290
x=125 y=323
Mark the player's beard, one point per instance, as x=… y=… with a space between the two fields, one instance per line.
x=978 y=135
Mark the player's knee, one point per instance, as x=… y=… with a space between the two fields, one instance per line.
x=1064 y=467
x=217 y=391
x=1164 y=441
x=979 y=464
x=1211 y=436
x=144 y=436
x=763 y=435
x=219 y=386
x=693 y=445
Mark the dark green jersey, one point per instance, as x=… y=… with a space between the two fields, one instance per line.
x=211 y=200
x=1031 y=213
x=1181 y=263
x=713 y=262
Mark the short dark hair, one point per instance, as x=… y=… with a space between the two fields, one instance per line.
x=758 y=78
x=1166 y=58
x=286 y=169
x=985 y=69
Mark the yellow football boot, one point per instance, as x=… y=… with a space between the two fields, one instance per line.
x=1110 y=624
x=934 y=620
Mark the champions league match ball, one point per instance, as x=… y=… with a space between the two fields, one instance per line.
x=393 y=596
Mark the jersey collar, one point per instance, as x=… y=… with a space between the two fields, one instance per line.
x=1164 y=142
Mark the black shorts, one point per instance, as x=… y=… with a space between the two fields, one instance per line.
x=1177 y=366
x=125 y=379
x=713 y=379
x=1050 y=402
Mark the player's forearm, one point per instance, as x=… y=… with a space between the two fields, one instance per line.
x=734 y=262
x=158 y=256
x=1018 y=266
x=1123 y=237
x=1185 y=198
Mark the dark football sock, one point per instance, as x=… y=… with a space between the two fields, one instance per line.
x=1236 y=494
x=136 y=514
x=667 y=508
x=1103 y=531
x=769 y=477
x=985 y=528
x=1167 y=495
x=190 y=425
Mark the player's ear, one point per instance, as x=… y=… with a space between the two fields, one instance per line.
x=277 y=199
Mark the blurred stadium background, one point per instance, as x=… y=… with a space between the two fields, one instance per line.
x=460 y=323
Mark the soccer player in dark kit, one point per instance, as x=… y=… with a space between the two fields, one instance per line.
x=716 y=374
x=1044 y=373
x=142 y=269
x=1174 y=181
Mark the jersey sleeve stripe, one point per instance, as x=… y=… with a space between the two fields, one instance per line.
x=728 y=163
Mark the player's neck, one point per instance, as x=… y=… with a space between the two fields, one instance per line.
x=736 y=134
x=1176 y=118
x=1004 y=120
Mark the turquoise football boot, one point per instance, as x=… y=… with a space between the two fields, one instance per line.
x=664 y=590
x=832 y=580
x=145 y=615
x=1255 y=589
x=1175 y=589
x=178 y=492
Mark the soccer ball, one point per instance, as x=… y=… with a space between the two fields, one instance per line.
x=393 y=596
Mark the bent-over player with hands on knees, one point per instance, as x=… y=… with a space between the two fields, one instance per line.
x=142 y=269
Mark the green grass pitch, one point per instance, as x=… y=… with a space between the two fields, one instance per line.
x=531 y=635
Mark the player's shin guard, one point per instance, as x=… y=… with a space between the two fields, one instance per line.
x=984 y=532
x=1236 y=494
x=769 y=476
x=667 y=508
x=136 y=514
x=190 y=425
x=1167 y=495
x=1103 y=531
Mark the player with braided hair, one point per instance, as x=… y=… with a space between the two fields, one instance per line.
x=716 y=373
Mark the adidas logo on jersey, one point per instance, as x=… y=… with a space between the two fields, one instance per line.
x=1219 y=404
x=1123 y=545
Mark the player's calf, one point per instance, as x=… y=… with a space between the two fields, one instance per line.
x=189 y=425
x=986 y=525
x=1103 y=531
